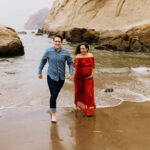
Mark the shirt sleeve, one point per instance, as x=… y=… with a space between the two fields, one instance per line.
x=43 y=62
x=70 y=63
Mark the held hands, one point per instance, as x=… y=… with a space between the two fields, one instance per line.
x=70 y=77
x=40 y=76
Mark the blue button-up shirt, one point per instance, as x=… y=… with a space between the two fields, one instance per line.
x=56 y=63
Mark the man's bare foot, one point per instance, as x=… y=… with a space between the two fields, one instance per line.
x=53 y=117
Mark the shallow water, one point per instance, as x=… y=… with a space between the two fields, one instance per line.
x=127 y=73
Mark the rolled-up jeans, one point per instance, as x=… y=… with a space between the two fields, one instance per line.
x=54 y=88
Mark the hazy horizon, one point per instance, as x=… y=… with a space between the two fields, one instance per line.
x=15 y=13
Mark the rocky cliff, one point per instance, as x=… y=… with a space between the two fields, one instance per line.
x=36 y=21
x=97 y=14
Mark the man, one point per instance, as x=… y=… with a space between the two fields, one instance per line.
x=57 y=57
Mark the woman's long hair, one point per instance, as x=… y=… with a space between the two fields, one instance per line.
x=77 y=51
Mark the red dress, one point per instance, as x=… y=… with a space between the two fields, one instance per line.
x=84 y=88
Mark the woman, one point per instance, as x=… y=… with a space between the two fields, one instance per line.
x=84 y=85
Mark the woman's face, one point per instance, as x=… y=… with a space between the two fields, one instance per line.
x=83 y=50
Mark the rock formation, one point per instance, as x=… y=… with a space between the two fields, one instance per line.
x=113 y=24
x=10 y=43
x=97 y=14
x=136 y=39
x=22 y=32
x=36 y=21
x=79 y=35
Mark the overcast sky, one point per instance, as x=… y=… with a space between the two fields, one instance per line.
x=15 y=13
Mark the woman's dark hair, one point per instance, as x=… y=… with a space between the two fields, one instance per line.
x=77 y=51
x=59 y=36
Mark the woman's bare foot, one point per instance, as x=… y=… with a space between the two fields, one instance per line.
x=53 y=117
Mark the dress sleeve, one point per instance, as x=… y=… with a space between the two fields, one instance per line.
x=93 y=63
x=75 y=63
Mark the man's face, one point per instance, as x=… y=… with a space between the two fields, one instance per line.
x=57 y=43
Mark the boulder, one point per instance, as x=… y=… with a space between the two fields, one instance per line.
x=22 y=32
x=39 y=34
x=51 y=34
x=76 y=35
x=136 y=39
x=109 y=90
x=10 y=43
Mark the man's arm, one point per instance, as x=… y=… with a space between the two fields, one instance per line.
x=70 y=64
x=42 y=63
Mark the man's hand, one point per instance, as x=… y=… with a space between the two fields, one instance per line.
x=40 y=76
x=70 y=77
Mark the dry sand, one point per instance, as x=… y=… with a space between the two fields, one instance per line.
x=125 y=127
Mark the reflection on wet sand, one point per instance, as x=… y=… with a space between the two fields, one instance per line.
x=60 y=134
x=125 y=127
x=55 y=139
x=82 y=131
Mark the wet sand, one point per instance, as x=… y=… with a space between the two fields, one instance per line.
x=125 y=127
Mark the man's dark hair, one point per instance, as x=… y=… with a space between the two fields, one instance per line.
x=59 y=36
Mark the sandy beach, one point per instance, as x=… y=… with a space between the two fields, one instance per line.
x=124 y=127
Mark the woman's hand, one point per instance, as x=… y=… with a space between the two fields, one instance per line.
x=40 y=76
x=89 y=77
x=70 y=77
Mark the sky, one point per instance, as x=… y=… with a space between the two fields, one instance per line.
x=15 y=13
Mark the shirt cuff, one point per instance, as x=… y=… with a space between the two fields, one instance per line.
x=71 y=72
x=39 y=72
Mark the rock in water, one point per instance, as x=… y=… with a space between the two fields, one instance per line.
x=76 y=35
x=136 y=39
x=109 y=90
x=22 y=32
x=10 y=43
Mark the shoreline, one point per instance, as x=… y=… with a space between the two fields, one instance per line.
x=117 y=128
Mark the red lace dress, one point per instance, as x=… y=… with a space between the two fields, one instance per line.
x=84 y=88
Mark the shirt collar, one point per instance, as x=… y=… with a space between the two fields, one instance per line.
x=59 y=50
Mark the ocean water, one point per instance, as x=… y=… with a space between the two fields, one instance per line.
x=127 y=73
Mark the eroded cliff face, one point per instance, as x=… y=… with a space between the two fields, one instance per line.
x=97 y=14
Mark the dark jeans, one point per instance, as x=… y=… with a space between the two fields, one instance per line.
x=54 y=88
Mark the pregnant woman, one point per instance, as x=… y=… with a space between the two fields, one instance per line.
x=84 y=85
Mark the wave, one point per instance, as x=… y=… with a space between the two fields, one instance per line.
x=124 y=70
x=141 y=70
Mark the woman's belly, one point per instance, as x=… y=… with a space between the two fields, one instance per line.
x=84 y=73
